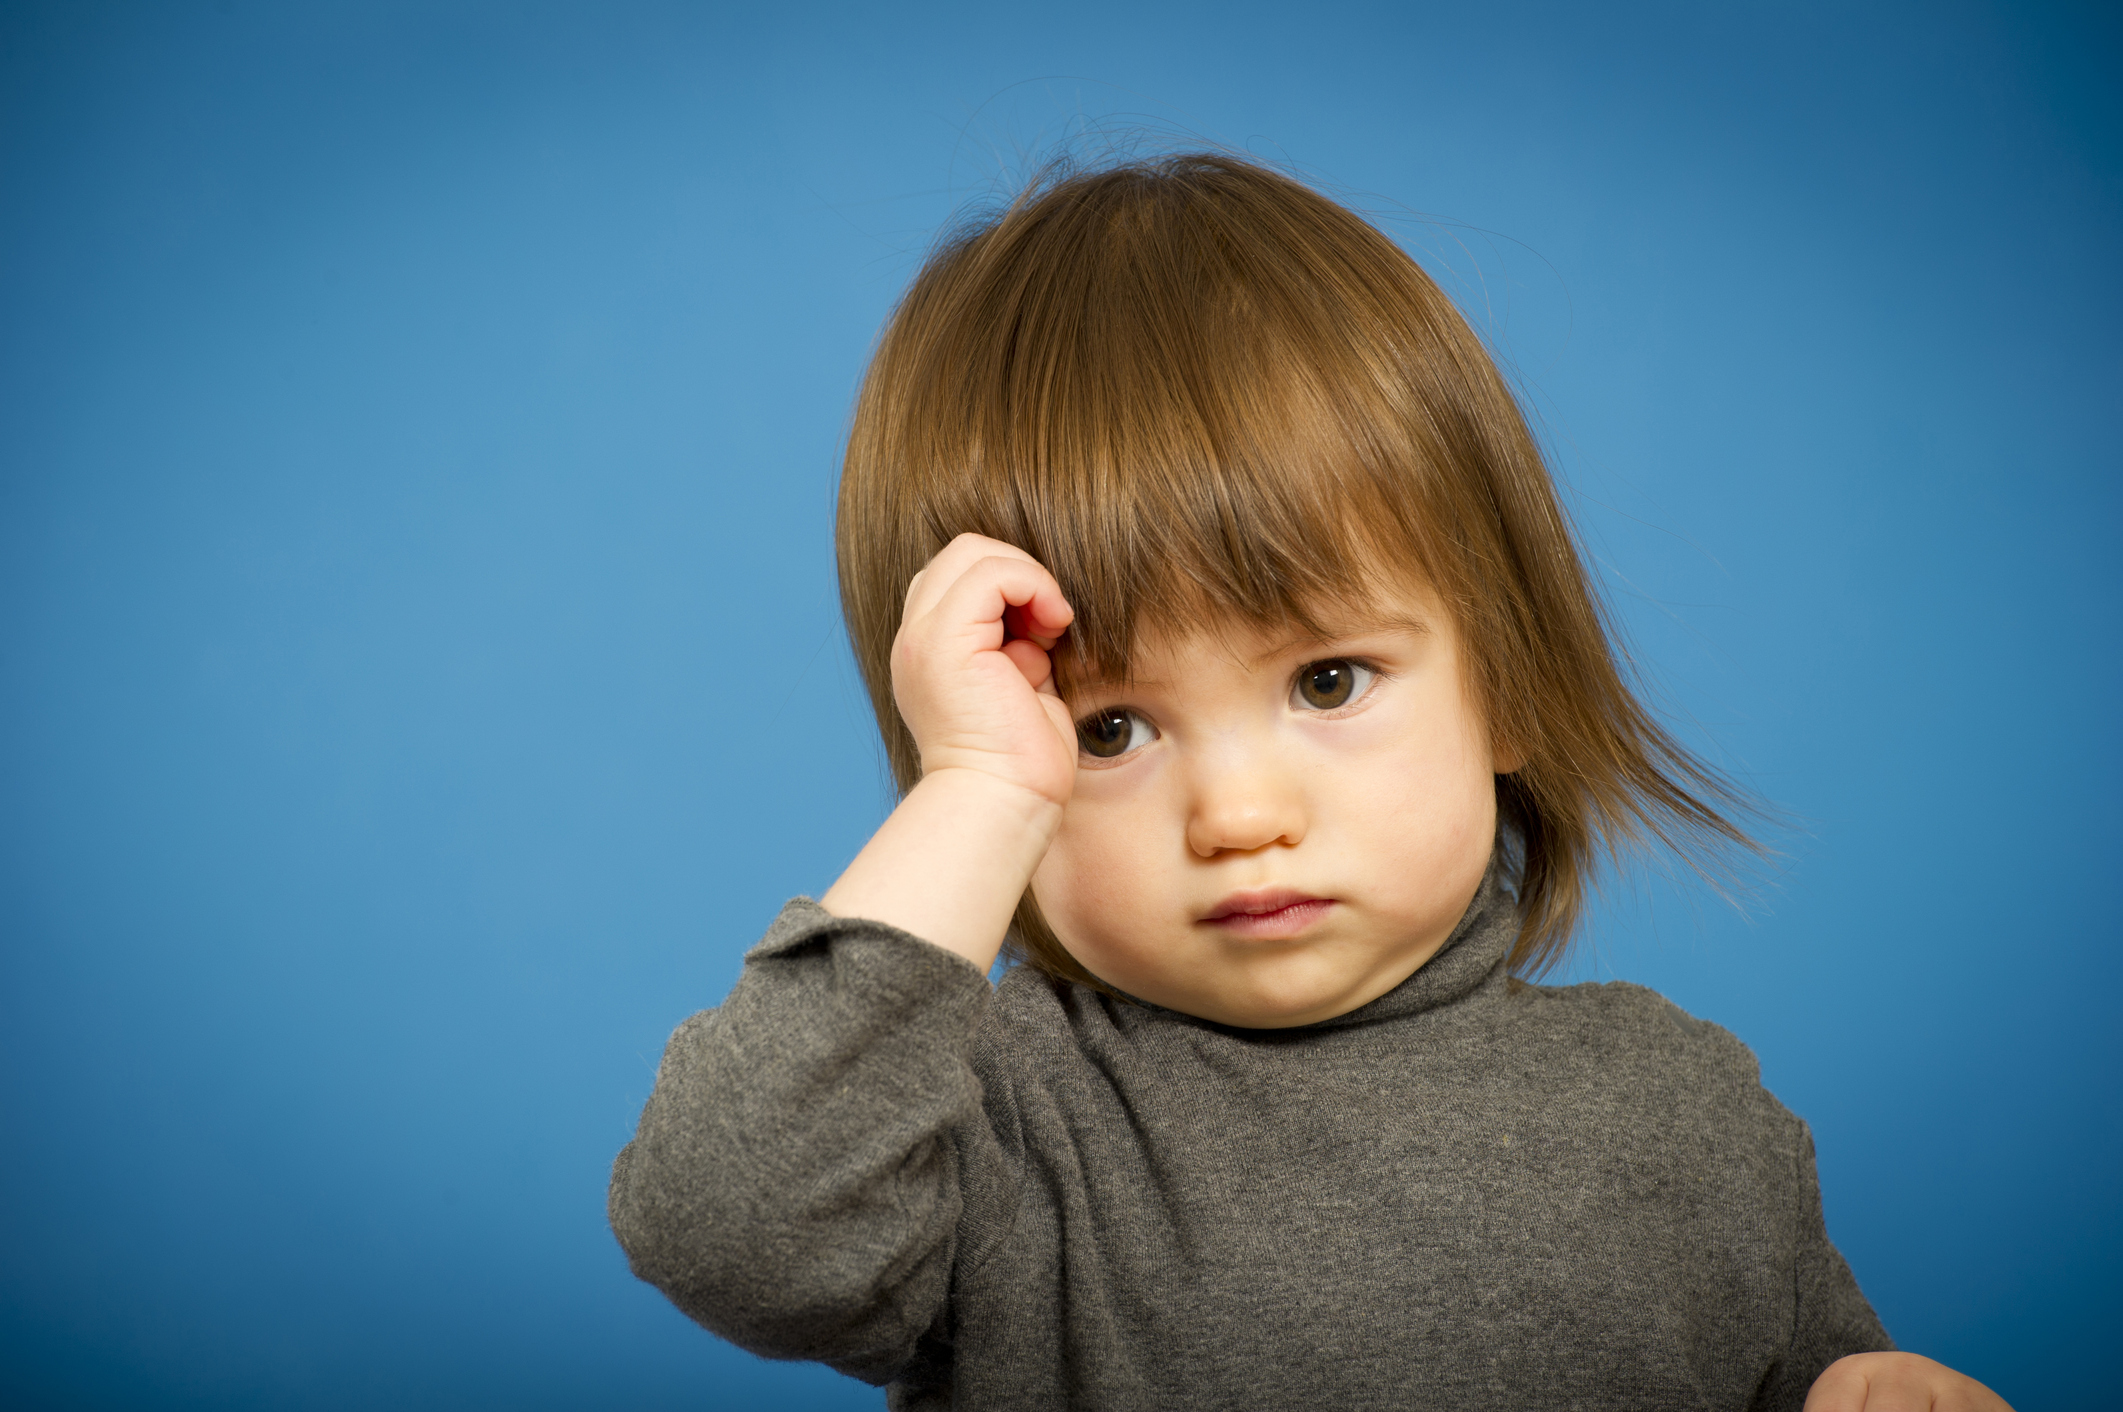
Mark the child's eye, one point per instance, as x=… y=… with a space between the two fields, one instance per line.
x=1322 y=686
x=1112 y=733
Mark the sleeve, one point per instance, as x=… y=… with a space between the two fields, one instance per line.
x=1831 y=1316
x=797 y=1177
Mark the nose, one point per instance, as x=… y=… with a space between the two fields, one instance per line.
x=1243 y=800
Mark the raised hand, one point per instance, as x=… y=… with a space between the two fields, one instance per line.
x=1898 y=1382
x=970 y=670
x=974 y=683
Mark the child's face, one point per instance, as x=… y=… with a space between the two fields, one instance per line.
x=1282 y=830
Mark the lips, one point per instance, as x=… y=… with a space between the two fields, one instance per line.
x=1274 y=913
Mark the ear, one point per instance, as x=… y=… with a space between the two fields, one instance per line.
x=1505 y=757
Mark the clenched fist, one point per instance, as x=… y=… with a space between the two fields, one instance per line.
x=970 y=670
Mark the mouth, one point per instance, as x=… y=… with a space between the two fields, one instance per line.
x=1271 y=914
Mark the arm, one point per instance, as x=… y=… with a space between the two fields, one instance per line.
x=800 y=1169
x=1841 y=1359
x=796 y=1181
x=1833 y=1318
x=998 y=752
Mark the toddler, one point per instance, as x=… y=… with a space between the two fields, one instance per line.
x=1243 y=681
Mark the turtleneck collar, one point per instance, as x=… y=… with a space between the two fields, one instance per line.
x=1477 y=950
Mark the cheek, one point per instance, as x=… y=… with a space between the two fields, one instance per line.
x=1414 y=780
x=1420 y=739
x=1099 y=872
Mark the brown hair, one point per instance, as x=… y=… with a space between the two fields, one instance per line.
x=1197 y=390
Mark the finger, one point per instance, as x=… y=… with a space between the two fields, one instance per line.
x=951 y=563
x=1065 y=725
x=978 y=599
x=1043 y=617
x=1898 y=1382
x=936 y=577
x=1986 y=1400
x=1037 y=667
x=1840 y=1389
x=1018 y=623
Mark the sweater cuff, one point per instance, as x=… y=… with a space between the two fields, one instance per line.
x=805 y=927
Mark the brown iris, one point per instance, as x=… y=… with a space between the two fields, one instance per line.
x=1105 y=734
x=1326 y=685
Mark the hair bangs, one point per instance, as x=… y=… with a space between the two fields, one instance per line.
x=1186 y=423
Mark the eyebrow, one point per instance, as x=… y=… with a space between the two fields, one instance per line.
x=1341 y=633
x=1321 y=642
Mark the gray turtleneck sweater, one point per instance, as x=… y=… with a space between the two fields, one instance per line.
x=1463 y=1195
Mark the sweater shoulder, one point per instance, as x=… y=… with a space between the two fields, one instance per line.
x=1626 y=1008
x=1637 y=1036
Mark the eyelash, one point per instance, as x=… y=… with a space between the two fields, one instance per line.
x=1140 y=733
x=1367 y=677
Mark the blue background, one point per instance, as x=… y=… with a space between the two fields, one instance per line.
x=418 y=426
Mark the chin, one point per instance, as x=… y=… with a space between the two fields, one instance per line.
x=1269 y=1010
